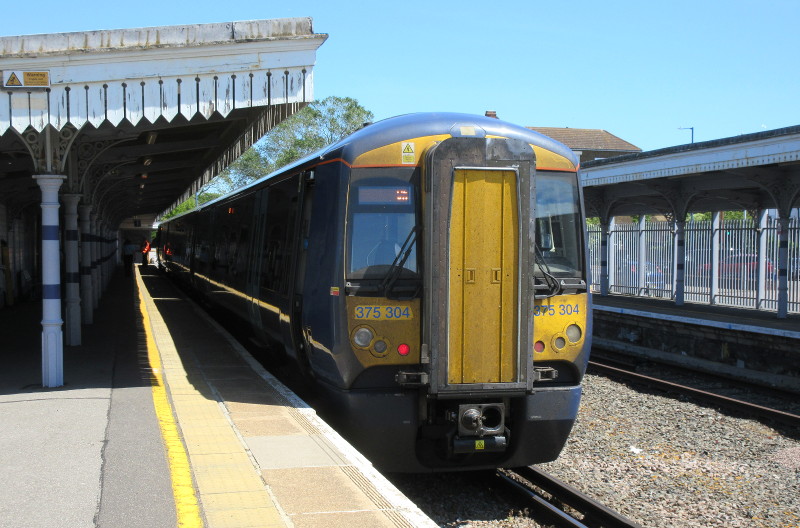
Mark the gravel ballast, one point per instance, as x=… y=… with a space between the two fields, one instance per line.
x=659 y=460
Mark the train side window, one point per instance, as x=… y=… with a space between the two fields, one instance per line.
x=282 y=204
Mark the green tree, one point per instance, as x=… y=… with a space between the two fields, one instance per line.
x=317 y=125
x=249 y=167
x=314 y=127
x=188 y=205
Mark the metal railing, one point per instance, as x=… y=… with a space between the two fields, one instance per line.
x=730 y=263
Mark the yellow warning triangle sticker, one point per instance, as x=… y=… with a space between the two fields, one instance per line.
x=13 y=80
x=408 y=149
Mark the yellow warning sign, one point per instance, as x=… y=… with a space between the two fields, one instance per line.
x=36 y=78
x=408 y=155
x=13 y=80
x=26 y=79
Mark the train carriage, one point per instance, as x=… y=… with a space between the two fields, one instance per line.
x=427 y=272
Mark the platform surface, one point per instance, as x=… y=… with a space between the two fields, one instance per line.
x=165 y=420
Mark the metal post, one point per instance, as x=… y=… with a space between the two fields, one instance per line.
x=72 y=277
x=52 y=337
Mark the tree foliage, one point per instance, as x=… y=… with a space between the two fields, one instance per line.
x=188 y=205
x=317 y=125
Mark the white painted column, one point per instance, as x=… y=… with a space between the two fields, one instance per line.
x=95 y=261
x=52 y=337
x=716 y=225
x=101 y=258
x=783 y=266
x=72 y=275
x=680 y=260
x=4 y=271
x=643 y=288
x=612 y=251
x=761 y=273
x=604 y=259
x=108 y=261
x=87 y=292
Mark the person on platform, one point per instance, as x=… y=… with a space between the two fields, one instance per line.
x=128 y=250
x=145 y=251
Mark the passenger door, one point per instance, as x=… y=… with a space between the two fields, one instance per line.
x=478 y=280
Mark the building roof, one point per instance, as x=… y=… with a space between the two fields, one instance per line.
x=587 y=139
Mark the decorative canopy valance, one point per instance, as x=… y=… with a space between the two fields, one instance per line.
x=154 y=73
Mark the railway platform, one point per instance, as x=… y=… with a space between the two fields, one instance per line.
x=752 y=345
x=164 y=420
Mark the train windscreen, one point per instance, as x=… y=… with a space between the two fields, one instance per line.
x=381 y=223
x=558 y=225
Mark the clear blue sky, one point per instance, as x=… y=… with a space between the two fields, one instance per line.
x=638 y=69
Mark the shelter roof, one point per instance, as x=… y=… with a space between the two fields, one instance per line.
x=148 y=115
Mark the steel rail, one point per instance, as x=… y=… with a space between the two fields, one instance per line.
x=595 y=514
x=759 y=410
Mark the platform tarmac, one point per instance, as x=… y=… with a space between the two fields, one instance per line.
x=164 y=420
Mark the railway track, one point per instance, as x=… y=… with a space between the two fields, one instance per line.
x=560 y=504
x=622 y=370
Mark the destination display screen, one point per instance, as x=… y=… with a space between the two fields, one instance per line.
x=395 y=195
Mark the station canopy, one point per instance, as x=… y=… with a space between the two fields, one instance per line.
x=139 y=119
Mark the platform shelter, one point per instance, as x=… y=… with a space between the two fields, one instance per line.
x=758 y=173
x=101 y=131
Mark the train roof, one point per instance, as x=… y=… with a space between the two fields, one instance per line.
x=410 y=126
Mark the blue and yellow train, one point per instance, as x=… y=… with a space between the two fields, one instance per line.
x=428 y=273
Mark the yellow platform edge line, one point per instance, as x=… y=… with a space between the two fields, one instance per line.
x=186 y=505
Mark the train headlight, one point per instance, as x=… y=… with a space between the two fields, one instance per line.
x=380 y=346
x=574 y=333
x=363 y=337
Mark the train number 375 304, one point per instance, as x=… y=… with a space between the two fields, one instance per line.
x=555 y=309
x=383 y=312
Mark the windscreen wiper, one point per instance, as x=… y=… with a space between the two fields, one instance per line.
x=552 y=284
x=397 y=264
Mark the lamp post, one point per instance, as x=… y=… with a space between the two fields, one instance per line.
x=688 y=128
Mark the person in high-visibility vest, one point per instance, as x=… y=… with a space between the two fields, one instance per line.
x=145 y=251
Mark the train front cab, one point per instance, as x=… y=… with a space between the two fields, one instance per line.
x=460 y=322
